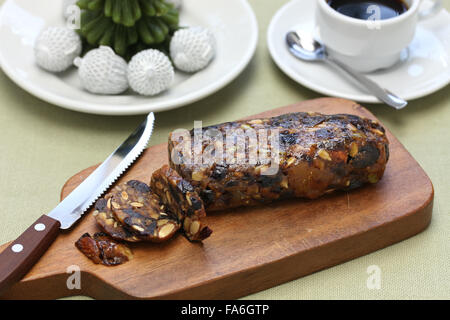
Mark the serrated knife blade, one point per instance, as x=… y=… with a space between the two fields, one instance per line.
x=18 y=258
x=79 y=200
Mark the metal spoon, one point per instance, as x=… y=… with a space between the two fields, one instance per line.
x=306 y=48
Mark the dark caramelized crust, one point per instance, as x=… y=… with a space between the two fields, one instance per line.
x=102 y=249
x=317 y=154
x=181 y=199
x=141 y=212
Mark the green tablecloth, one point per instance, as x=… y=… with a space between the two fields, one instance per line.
x=43 y=145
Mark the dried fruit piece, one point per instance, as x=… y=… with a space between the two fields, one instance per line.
x=373 y=178
x=324 y=154
x=181 y=199
x=141 y=212
x=284 y=182
x=353 y=149
x=165 y=230
x=290 y=161
x=102 y=249
x=197 y=176
x=379 y=132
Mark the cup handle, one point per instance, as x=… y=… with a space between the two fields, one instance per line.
x=430 y=12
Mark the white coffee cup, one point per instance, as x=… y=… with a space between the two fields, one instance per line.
x=368 y=45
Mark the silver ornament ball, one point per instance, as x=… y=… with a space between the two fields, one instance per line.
x=56 y=48
x=101 y=71
x=150 y=72
x=192 y=49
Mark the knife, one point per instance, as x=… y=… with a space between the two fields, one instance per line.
x=18 y=258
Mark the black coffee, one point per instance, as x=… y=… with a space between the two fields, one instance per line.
x=364 y=10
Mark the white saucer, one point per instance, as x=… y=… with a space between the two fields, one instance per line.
x=232 y=21
x=424 y=69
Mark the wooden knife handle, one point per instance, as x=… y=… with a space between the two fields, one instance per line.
x=18 y=258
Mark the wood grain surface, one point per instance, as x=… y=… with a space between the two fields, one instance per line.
x=251 y=249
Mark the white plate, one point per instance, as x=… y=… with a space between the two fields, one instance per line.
x=232 y=21
x=424 y=69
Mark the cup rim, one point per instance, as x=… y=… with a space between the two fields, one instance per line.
x=412 y=9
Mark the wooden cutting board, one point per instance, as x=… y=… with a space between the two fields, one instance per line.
x=251 y=249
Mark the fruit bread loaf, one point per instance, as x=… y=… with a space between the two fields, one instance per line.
x=316 y=154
